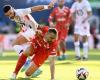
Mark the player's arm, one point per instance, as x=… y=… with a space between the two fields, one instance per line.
x=89 y=12
x=38 y=8
x=73 y=11
x=51 y=18
x=69 y=18
x=43 y=7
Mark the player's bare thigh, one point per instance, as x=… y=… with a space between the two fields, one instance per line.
x=76 y=37
x=29 y=51
x=85 y=38
x=19 y=40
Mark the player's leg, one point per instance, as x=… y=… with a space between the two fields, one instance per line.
x=36 y=62
x=85 y=47
x=36 y=73
x=63 y=42
x=63 y=48
x=77 y=46
x=22 y=38
x=52 y=65
x=22 y=59
x=59 y=57
x=85 y=34
x=77 y=30
x=59 y=50
x=17 y=43
x=31 y=69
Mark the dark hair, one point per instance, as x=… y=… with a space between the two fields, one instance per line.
x=53 y=30
x=6 y=8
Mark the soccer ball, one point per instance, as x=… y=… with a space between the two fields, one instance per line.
x=82 y=74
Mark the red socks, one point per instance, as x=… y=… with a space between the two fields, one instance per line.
x=21 y=61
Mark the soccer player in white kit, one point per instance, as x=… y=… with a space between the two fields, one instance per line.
x=81 y=10
x=26 y=22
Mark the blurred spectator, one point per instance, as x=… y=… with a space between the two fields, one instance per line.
x=94 y=34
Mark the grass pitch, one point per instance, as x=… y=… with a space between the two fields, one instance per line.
x=65 y=70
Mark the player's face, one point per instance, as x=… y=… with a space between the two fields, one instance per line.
x=61 y=2
x=10 y=14
x=50 y=37
x=79 y=0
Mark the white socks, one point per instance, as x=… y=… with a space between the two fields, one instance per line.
x=77 y=48
x=85 y=49
x=18 y=48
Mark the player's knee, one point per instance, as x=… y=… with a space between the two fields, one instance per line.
x=27 y=73
x=76 y=43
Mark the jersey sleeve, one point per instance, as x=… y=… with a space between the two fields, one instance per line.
x=26 y=11
x=68 y=17
x=73 y=8
x=54 y=46
x=52 y=15
x=88 y=7
x=44 y=29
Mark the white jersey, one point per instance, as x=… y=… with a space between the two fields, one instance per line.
x=24 y=19
x=27 y=23
x=80 y=9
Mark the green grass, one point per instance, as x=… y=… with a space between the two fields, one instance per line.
x=65 y=70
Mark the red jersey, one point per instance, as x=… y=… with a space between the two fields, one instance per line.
x=42 y=49
x=60 y=16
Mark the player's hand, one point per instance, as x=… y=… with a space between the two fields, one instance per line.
x=67 y=26
x=38 y=32
x=83 y=21
x=51 y=5
x=51 y=24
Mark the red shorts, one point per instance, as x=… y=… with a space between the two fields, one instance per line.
x=39 y=57
x=62 y=34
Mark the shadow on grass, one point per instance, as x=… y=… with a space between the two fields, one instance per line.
x=5 y=58
x=92 y=57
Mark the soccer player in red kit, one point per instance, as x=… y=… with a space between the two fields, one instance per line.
x=43 y=43
x=62 y=17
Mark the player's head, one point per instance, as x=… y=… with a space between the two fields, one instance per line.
x=61 y=3
x=79 y=0
x=9 y=11
x=51 y=35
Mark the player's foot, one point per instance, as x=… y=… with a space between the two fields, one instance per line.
x=64 y=57
x=13 y=76
x=25 y=66
x=52 y=79
x=59 y=58
x=36 y=73
x=85 y=59
x=78 y=58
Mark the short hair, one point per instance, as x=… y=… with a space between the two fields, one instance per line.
x=53 y=30
x=6 y=8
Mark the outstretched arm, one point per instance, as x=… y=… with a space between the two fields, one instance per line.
x=43 y=7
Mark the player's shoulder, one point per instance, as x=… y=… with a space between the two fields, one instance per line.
x=86 y=2
x=55 y=42
x=75 y=3
x=65 y=7
x=19 y=11
x=43 y=28
x=55 y=9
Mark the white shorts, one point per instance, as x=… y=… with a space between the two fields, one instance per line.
x=82 y=29
x=28 y=34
